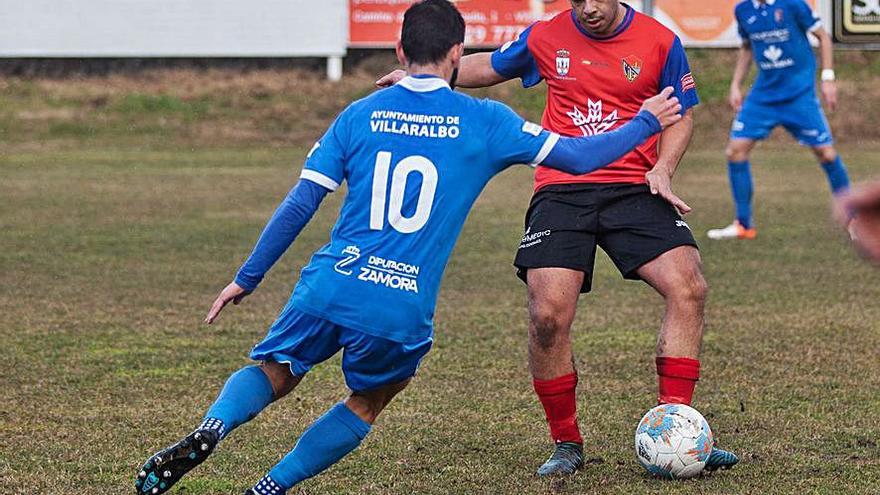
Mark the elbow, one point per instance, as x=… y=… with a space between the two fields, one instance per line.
x=688 y=118
x=686 y=124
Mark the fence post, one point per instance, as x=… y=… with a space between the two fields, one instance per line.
x=334 y=68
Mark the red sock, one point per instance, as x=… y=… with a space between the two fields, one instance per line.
x=676 y=379
x=558 y=398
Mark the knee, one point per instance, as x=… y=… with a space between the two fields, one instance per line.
x=368 y=405
x=825 y=154
x=281 y=378
x=366 y=408
x=736 y=153
x=692 y=289
x=548 y=325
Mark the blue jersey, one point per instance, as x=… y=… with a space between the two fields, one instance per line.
x=777 y=31
x=415 y=157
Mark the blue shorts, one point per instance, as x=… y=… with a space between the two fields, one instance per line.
x=802 y=117
x=302 y=341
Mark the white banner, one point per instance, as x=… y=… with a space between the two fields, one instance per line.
x=173 y=28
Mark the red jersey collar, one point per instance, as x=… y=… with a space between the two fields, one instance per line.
x=627 y=20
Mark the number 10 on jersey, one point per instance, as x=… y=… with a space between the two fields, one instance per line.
x=394 y=199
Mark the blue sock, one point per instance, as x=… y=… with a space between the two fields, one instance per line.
x=740 y=175
x=329 y=439
x=247 y=392
x=837 y=176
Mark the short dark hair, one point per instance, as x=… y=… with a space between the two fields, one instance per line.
x=430 y=29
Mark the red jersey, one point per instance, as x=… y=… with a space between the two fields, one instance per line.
x=597 y=84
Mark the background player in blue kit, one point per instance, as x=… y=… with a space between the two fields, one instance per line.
x=415 y=157
x=776 y=32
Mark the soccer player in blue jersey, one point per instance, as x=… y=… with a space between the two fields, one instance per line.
x=776 y=33
x=415 y=157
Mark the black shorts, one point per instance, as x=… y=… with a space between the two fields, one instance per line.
x=566 y=222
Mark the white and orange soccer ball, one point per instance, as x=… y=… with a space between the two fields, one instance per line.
x=674 y=441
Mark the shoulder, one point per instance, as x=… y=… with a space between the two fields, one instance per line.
x=742 y=10
x=372 y=99
x=561 y=20
x=795 y=5
x=494 y=115
x=791 y=3
x=659 y=33
x=486 y=108
x=376 y=100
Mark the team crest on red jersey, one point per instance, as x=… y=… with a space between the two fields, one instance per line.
x=632 y=67
x=563 y=62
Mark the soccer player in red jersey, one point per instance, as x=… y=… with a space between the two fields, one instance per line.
x=600 y=60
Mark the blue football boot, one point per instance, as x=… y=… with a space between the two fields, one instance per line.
x=567 y=458
x=720 y=459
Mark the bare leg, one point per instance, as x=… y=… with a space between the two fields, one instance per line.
x=283 y=381
x=331 y=437
x=553 y=295
x=739 y=150
x=368 y=405
x=677 y=276
x=825 y=153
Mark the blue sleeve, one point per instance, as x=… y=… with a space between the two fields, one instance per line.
x=677 y=73
x=325 y=163
x=514 y=60
x=512 y=139
x=805 y=17
x=289 y=219
x=583 y=155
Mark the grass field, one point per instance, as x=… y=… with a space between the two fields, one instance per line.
x=113 y=244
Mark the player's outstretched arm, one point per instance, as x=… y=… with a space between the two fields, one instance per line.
x=286 y=223
x=583 y=155
x=476 y=71
x=859 y=211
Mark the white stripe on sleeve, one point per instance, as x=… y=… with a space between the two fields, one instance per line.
x=546 y=149
x=319 y=178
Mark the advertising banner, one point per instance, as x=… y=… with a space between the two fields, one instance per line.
x=702 y=22
x=857 y=21
x=490 y=23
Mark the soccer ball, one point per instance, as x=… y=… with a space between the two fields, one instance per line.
x=673 y=441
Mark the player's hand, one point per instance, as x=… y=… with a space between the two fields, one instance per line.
x=660 y=182
x=391 y=78
x=666 y=109
x=829 y=94
x=859 y=212
x=231 y=293
x=735 y=98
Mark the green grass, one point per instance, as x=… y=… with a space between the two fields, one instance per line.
x=110 y=256
x=127 y=202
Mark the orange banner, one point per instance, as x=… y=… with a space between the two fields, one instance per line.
x=490 y=23
x=702 y=22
